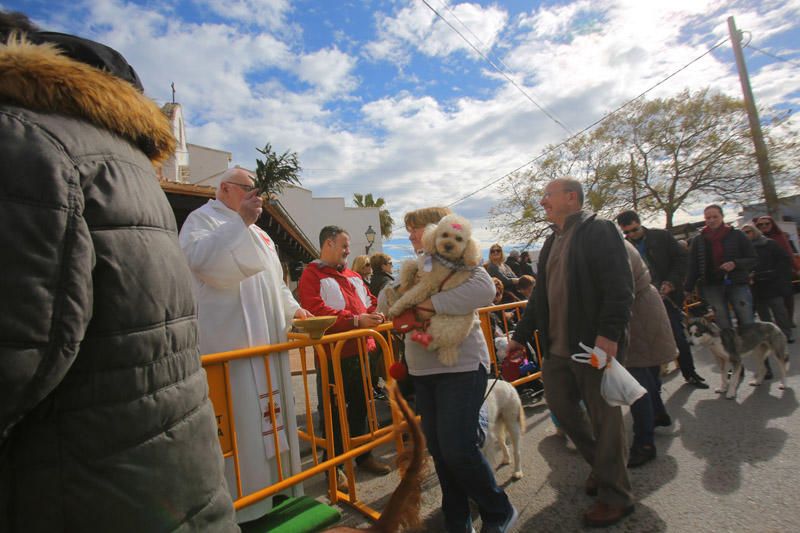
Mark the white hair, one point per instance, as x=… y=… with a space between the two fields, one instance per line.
x=230 y=173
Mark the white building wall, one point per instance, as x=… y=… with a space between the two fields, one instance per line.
x=170 y=170
x=207 y=164
x=313 y=214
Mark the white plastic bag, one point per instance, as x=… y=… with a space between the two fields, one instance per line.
x=596 y=357
x=619 y=387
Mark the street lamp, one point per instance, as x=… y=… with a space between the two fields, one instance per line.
x=370 y=235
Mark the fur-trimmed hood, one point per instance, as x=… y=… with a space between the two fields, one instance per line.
x=39 y=77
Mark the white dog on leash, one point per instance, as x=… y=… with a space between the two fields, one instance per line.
x=506 y=416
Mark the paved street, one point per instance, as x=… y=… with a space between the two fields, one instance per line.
x=724 y=465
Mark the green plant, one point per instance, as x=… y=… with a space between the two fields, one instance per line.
x=277 y=171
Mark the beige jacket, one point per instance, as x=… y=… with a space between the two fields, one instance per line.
x=651 y=341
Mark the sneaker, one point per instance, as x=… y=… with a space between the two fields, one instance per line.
x=696 y=381
x=505 y=526
x=373 y=466
x=640 y=455
x=341 y=481
x=379 y=394
x=662 y=420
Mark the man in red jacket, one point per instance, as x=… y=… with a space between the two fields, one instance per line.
x=328 y=287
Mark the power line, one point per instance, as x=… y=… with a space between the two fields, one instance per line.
x=502 y=73
x=793 y=62
x=590 y=126
x=499 y=60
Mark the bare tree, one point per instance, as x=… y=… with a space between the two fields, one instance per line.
x=657 y=156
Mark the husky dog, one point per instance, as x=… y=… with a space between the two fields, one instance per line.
x=759 y=340
x=505 y=415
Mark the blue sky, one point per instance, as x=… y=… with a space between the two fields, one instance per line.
x=382 y=96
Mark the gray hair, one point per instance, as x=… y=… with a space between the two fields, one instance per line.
x=230 y=173
x=570 y=184
x=752 y=227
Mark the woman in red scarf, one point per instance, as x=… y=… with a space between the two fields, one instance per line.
x=720 y=261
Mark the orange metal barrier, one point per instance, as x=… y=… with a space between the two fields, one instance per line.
x=217 y=369
x=517 y=308
x=327 y=350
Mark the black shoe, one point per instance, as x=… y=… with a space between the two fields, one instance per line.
x=696 y=381
x=640 y=455
x=662 y=420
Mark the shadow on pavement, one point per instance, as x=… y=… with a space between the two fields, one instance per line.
x=730 y=433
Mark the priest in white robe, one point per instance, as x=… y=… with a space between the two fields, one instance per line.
x=242 y=301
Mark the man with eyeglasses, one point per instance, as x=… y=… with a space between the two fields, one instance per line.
x=583 y=295
x=667 y=261
x=242 y=301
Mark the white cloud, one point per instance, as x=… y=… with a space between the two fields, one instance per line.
x=264 y=13
x=330 y=70
x=416 y=27
x=580 y=60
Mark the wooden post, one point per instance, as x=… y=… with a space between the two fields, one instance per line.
x=770 y=196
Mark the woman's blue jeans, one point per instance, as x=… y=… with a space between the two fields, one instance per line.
x=738 y=296
x=449 y=405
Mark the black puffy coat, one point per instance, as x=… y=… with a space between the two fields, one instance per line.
x=105 y=423
x=772 y=275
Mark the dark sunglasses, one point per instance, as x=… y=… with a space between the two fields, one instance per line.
x=495 y=251
x=629 y=231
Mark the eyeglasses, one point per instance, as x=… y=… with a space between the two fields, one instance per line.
x=245 y=188
x=633 y=230
x=495 y=251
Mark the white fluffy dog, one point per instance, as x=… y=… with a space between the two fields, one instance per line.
x=506 y=416
x=450 y=256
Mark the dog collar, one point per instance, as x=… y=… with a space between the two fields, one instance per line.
x=452 y=265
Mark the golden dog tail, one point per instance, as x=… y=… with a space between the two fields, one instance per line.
x=402 y=511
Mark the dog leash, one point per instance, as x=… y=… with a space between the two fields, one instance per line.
x=489 y=391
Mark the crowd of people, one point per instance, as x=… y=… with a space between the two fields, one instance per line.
x=105 y=401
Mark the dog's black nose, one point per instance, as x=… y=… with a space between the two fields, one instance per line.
x=448 y=247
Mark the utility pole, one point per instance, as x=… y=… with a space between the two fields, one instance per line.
x=770 y=196
x=634 y=191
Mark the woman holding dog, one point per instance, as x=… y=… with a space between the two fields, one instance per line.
x=448 y=398
x=720 y=261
